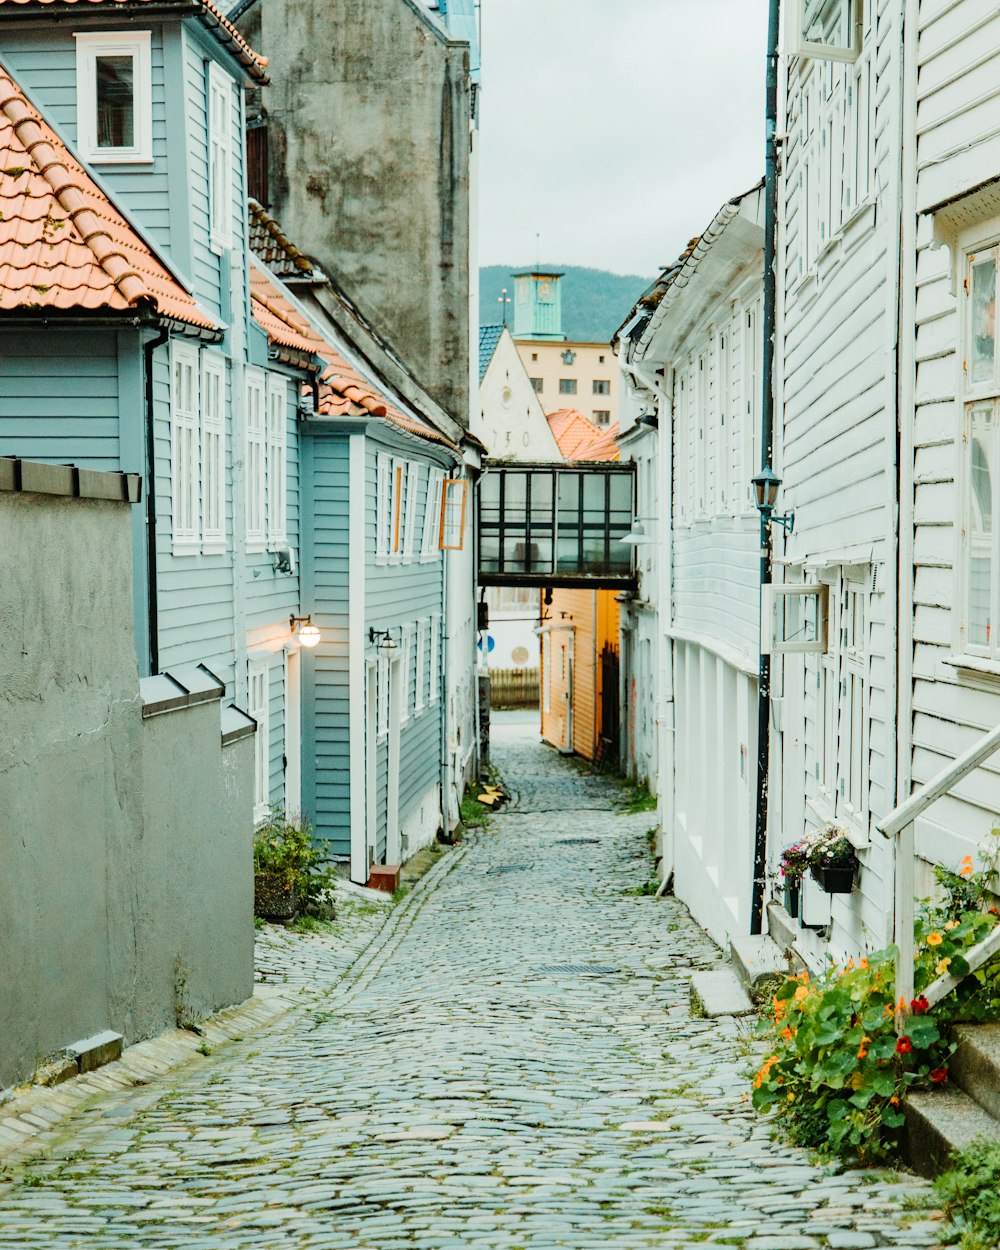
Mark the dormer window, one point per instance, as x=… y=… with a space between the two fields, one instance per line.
x=114 y=112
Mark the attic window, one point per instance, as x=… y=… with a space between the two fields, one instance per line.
x=114 y=97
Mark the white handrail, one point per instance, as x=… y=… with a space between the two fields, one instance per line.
x=899 y=824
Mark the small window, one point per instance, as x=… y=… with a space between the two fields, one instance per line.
x=827 y=30
x=114 y=108
x=602 y=386
x=567 y=386
x=794 y=618
x=537 y=385
x=600 y=360
x=432 y=516
x=220 y=169
x=602 y=416
x=534 y=355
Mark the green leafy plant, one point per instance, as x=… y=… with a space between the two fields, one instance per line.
x=832 y=848
x=637 y=798
x=473 y=814
x=969 y=1193
x=283 y=847
x=837 y=1073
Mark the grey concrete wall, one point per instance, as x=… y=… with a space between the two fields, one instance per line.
x=368 y=116
x=103 y=884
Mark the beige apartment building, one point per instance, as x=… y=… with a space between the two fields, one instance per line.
x=583 y=376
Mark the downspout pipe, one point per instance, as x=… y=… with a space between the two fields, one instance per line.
x=151 y=579
x=766 y=452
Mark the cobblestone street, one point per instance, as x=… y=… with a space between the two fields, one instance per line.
x=512 y=1062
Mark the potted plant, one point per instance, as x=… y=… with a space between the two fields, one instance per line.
x=832 y=860
x=794 y=864
x=286 y=867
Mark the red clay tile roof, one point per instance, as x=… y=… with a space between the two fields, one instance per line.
x=272 y=247
x=213 y=17
x=580 y=439
x=343 y=392
x=63 y=245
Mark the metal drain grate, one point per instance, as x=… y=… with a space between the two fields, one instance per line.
x=581 y=970
x=577 y=841
x=507 y=868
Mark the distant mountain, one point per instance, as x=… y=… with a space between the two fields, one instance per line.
x=594 y=301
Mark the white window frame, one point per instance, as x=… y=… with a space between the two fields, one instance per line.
x=255 y=475
x=406 y=664
x=799 y=31
x=420 y=682
x=853 y=735
x=185 y=452
x=220 y=94
x=701 y=435
x=383 y=506
x=277 y=461
x=138 y=45
x=258 y=681
x=397 y=516
x=434 y=664
x=455 y=493
x=752 y=364
x=414 y=472
x=773 y=641
x=431 y=548
x=213 y=452
x=979 y=397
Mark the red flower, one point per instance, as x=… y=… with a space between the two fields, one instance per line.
x=904 y=1046
x=919 y=1005
x=939 y=1075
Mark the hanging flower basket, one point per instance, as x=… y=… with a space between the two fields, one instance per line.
x=835 y=879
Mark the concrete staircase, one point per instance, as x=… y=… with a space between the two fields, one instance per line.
x=937 y=1121
x=942 y=1120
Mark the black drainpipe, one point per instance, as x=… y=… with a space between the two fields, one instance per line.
x=151 y=585
x=766 y=449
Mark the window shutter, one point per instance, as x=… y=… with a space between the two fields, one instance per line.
x=220 y=160
x=255 y=458
x=383 y=505
x=412 y=492
x=213 y=452
x=277 y=507
x=184 y=439
x=259 y=710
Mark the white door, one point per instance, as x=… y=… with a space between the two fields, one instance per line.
x=393 y=843
x=360 y=871
x=293 y=733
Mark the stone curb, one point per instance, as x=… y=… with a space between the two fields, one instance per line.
x=31 y=1122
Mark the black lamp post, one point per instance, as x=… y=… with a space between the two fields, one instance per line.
x=765 y=485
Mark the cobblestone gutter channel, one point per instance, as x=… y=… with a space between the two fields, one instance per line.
x=511 y=1063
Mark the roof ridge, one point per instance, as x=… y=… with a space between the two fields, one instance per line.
x=28 y=129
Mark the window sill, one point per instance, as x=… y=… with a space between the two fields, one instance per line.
x=117 y=158
x=255 y=547
x=215 y=549
x=188 y=547
x=975 y=667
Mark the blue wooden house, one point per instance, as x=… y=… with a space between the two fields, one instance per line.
x=126 y=339
x=384 y=501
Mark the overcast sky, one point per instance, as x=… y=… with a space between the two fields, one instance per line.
x=616 y=129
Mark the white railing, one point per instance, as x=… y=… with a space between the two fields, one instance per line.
x=899 y=824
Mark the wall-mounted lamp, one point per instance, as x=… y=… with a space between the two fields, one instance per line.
x=765 y=485
x=637 y=535
x=303 y=628
x=382 y=638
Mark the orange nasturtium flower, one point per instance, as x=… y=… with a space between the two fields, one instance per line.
x=787 y=1033
x=966 y=870
x=951 y=924
x=934 y=939
x=864 y=962
x=800 y=994
x=942 y=966
x=863 y=1049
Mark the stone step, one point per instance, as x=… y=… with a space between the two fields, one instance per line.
x=783 y=930
x=758 y=962
x=940 y=1121
x=719 y=993
x=975 y=1065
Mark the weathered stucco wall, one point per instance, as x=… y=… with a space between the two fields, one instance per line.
x=124 y=843
x=368 y=121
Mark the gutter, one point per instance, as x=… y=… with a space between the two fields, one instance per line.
x=766 y=452
x=153 y=612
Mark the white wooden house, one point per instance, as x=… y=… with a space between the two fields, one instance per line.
x=691 y=351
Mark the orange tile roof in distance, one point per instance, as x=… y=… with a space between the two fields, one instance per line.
x=252 y=61
x=579 y=439
x=63 y=244
x=343 y=392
